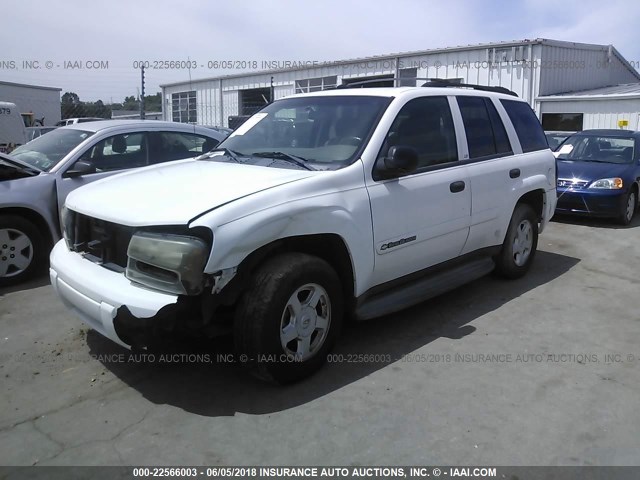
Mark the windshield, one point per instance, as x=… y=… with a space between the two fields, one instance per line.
x=555 y=139
x=47 y=150
x=320 y=130
x=596 y=148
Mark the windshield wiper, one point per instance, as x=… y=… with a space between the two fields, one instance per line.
x=299 y=161
x=227 y=152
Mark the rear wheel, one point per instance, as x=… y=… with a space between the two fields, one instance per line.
x=22 y=250
x=289 y=318
x=628 y=208
x=520 y=243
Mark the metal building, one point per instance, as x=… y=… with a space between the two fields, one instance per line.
x=41 y=102
x=531 y=68
x=607 y=107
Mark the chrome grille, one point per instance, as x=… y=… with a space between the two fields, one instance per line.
x=572 y=183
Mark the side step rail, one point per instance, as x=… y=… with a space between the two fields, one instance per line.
x=422 y=289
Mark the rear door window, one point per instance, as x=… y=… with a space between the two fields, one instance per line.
x=486 y=136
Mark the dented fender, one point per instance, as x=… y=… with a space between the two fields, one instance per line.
x=342 y=210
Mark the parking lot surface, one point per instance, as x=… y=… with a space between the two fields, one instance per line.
x=544 y=370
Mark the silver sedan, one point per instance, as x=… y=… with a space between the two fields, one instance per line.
x=36 y=179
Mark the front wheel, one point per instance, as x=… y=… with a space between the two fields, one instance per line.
x=22 y=250
x=288 y=318
x=628 y=208
x=520 y=243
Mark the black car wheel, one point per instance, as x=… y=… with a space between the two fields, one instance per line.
x=628 y=207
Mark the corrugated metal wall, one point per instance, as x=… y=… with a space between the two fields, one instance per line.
x=599 y=113
x=207 y=103
x=530 y=70
x=572 y=69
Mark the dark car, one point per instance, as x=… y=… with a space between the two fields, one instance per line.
x=599 y=174
x=554 y=139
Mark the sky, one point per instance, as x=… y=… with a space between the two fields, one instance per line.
x=44 y=42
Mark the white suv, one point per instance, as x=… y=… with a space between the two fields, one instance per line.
x=355 y=202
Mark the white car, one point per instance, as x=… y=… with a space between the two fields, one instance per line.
x=73 y=121
x=353 y=202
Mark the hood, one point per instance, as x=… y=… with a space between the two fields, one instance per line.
x=175 y=193
x=12 y=169
x=592 y=170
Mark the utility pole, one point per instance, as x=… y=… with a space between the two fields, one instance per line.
x=271 y=91
x=142 y=93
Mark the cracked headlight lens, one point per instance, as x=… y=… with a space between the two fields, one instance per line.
x=167 y=262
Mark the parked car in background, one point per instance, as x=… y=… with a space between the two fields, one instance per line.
x=599 y=174
x=36 y=179
x=225 y=130
x=35 y=132
x=556 y=138
x=73 y=121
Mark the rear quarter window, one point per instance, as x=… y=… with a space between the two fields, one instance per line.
x=526 y=124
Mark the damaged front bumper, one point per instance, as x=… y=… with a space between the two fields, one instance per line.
x=108 y=302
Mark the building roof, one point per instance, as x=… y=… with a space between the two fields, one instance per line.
x=13 y=84
x=623 y=91
x=415 y=53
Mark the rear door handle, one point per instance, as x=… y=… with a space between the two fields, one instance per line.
x=514 y=173
x=456 y=187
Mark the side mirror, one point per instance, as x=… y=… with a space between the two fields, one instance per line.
x=400 y=160
x=81 y=167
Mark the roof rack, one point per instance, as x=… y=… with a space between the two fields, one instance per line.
x=430 y=82
x=443 y=82
x=395 y=81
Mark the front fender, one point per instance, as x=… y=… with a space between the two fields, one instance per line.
x=345 y=213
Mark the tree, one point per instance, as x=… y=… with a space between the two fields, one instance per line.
x=70 y=98
x=130 y=103
x=153 y=103
x=71 y=106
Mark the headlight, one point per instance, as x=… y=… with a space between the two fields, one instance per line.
x=171 y=263
x=66 y=221
x=608 y=183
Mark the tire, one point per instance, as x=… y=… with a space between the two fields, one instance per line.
x=628 y=207
x=22 y=250
x=520 y=243
x=265 y=318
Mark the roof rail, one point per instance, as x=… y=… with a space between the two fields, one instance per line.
x=441 y=82
x=362 y=83
x=430 y=82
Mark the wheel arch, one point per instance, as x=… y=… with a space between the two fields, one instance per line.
x=34 y=217
x=536 y=199
x=330 y=247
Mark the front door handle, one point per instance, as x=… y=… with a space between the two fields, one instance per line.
x=514 y=173
x=456 y=187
